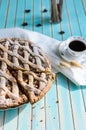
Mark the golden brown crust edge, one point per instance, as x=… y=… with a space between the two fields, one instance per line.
x=33 y=99
x=15 y=103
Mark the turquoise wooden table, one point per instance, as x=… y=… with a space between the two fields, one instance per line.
x=64 y=106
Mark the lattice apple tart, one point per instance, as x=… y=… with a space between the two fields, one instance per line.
x=25 y=73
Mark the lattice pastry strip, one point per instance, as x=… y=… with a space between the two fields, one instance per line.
x=11 y=97
x=37 y=84
x=43 y=75
x=21 y=58
x=23 y=62
x=9 y=91
x=28 y=87
x=3 y=80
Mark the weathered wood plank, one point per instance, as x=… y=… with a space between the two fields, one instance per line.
x=77 y=107
x=2 y=116
x=38 y=115
x=0 y=3
x=11 y=14
x=46 y=17
x=10 y=120
x=52 y=112
x=51 y=98
x=84 y=5
x=29 y=14
x=38 y=109
x=72 y=18
x=19 y=14
x=3 y=12
x=24 y=117
x=66 y=117
x=37 y=18
x=75 y=29
x=83 y=88
x=63 y=92
x=80 y=16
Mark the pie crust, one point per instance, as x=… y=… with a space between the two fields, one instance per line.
x=25 y=72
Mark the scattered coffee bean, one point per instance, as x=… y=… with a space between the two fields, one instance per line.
x=24 y=24
x=57 y=101
x=27 y=10
x=38 y=25
x=44 y=10
x=41 y=120
x=61 y=32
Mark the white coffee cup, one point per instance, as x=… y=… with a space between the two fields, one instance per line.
x=76 y=46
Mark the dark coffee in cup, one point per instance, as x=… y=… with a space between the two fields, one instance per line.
x=77 y=46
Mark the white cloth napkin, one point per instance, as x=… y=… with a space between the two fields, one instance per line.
x=50 y=47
